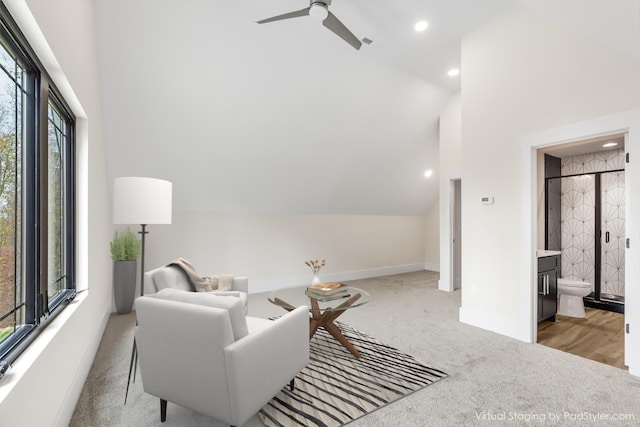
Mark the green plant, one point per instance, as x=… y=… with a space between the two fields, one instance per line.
x=5 y=332
x=125 y=247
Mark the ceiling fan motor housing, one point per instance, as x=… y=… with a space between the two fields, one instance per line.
x=319 y=10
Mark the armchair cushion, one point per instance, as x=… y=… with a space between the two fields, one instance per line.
x=230 y=303
x=243 y=297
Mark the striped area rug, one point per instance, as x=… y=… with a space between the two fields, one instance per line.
x=336 y=388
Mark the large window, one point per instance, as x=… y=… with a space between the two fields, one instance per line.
x=37 y=164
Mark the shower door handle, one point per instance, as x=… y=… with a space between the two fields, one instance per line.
x=606 y=237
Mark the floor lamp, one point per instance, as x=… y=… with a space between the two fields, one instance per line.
x=144 y=201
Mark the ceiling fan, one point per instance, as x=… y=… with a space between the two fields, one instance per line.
x=319 y=9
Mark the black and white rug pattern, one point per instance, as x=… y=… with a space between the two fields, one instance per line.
x=336 y=388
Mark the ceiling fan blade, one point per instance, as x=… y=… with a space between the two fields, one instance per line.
x=340 y=30
x=296 y=14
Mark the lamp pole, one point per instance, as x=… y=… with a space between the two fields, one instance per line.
x=133 y=365
x=142 y=233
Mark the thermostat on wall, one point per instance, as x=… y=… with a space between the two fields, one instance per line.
x=488 y=200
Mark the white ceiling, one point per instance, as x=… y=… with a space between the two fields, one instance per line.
x=286 y=117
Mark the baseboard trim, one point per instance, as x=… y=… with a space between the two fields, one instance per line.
x=258 y=286
x=432 y=266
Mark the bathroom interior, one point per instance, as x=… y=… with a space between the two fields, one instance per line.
x=581 y=223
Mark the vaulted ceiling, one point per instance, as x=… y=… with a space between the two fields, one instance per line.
x=286 y=117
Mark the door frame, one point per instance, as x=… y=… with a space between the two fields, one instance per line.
x=447 y=222
x=456 y=223
x=625 y=122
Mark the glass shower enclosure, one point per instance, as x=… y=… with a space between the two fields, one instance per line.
x=613 y=236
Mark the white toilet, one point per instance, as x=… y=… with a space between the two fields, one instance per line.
x=570 y=294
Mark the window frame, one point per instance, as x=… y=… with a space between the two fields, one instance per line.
x=41 y=92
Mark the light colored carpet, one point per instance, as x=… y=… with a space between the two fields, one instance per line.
x=490 y=376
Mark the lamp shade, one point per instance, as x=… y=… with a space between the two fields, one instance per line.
x=138 y=200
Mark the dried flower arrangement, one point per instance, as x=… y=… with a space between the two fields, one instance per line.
x=315 y=265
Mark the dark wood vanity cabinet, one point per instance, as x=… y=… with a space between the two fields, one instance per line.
x=548 y=268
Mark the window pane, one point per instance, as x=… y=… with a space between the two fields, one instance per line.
x=7 y=63
x=56 y=203
x=11 y=145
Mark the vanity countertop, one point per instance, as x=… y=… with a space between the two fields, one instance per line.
x=541 y=253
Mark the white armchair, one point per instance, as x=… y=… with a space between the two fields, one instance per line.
x=172 y=277
x=199 y=351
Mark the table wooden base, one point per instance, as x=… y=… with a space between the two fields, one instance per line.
x=324 y=319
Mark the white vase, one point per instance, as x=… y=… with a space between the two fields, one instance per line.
x=316 y=280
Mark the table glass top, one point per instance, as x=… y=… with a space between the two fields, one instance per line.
x=296 y=297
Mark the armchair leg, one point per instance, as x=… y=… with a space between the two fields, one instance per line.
x=291 y=384
x=163 y=410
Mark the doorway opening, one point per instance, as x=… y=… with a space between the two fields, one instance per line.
x=584 y=222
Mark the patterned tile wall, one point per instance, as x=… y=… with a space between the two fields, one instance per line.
x=594 y=162
x=578 y=228
x=578 y=219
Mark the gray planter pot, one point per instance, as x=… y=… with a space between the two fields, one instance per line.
x=124 y=285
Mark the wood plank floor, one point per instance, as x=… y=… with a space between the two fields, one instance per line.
x=599 y=337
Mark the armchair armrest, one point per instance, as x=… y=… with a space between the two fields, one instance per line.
x=270 y=357
x=149 y=284
x=240 y=284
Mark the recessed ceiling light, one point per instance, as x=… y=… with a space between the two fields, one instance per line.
x=609 y=144
x=428 y=173
x=453 y=72
x=421 y=25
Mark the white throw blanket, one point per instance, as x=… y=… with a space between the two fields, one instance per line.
x=220 y=282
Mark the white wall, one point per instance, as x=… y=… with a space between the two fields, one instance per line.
x=450 y=169
x=271 y=249
x=52 y=371
x=432 y=238
x=521 y=73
